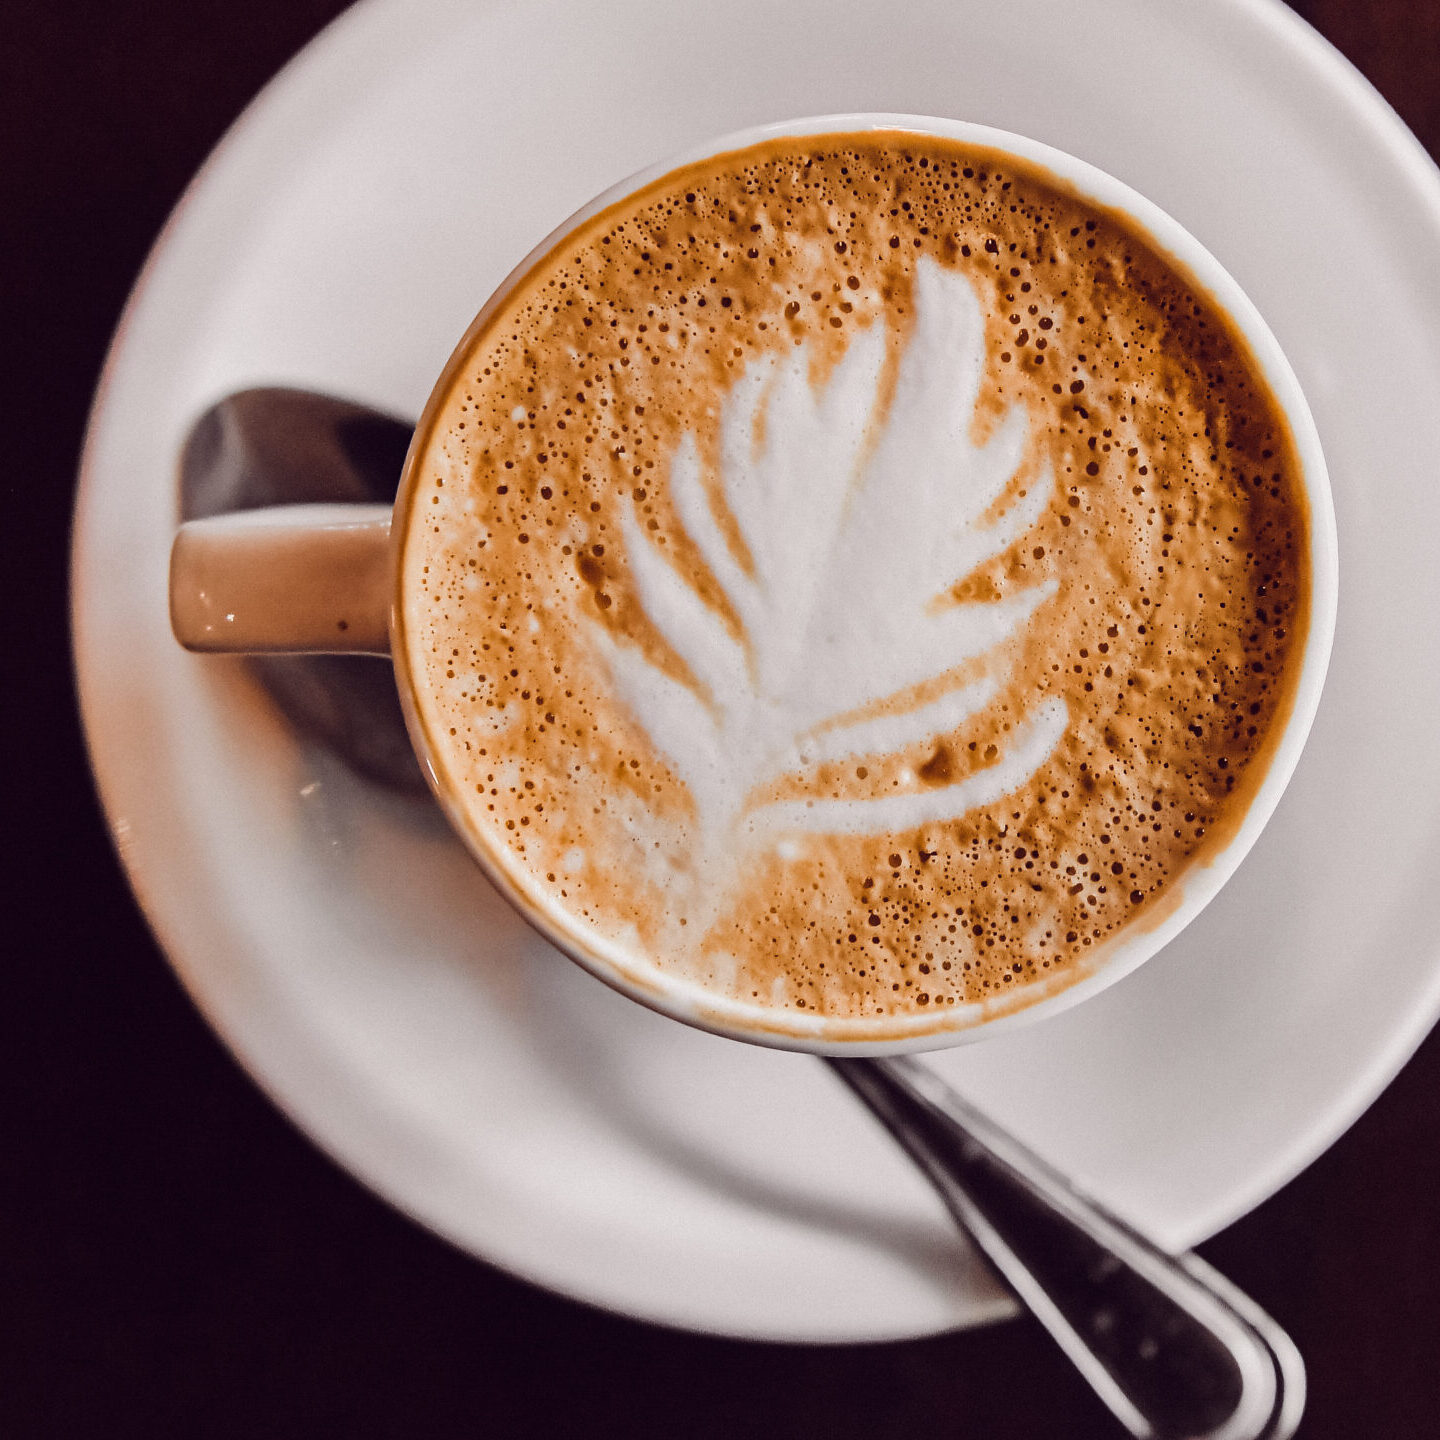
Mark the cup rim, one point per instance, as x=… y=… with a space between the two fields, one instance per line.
x=1189 y=892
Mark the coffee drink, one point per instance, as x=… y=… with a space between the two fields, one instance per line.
x=854 y=576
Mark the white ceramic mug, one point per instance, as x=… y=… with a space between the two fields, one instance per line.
x=323 y=579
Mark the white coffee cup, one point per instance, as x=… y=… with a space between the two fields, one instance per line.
x=323 y=579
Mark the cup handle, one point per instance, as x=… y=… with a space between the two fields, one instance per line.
x=290 y=579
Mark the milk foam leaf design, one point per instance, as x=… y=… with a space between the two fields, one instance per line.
x=855 y=524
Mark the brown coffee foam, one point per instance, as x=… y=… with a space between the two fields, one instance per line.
x=1178 y=537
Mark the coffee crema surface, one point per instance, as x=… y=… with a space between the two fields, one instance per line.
x=855 y=575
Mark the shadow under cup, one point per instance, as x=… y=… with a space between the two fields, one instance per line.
x=337 y=571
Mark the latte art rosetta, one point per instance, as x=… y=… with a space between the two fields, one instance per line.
x=856 y=520
x=853 y=577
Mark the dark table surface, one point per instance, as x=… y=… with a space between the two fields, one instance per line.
x=175 y=1259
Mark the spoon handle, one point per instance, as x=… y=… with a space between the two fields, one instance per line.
x=1173 y=1349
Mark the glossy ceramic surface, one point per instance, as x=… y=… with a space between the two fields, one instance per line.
x=340 y=939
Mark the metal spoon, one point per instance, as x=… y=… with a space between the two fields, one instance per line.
x=1174 y=1349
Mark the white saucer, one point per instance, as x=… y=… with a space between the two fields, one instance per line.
x=339 y=939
